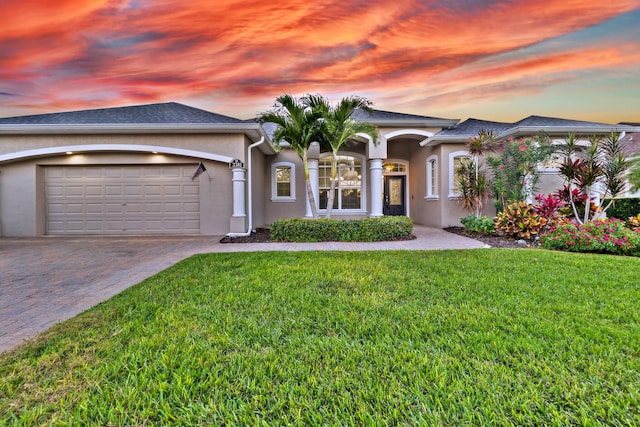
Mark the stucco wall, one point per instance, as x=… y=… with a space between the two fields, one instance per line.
x=230 y=145
x=284 y=209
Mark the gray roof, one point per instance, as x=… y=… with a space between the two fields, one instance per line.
x=389 y=118
x=550 y=122
x=631 y=143
x=470 y=128
x=527 y=126
x=164 y=113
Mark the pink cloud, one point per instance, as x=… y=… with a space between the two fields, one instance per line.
x=78 y=52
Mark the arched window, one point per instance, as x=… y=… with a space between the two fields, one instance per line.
x=432 y=177
x=283 y=182
x=349 y=192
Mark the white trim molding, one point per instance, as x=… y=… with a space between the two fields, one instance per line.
x=51 y=151
x=432 y=192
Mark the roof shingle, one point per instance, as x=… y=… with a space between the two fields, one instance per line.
x=163 y=113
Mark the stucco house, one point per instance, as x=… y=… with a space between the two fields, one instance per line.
x=132 y=170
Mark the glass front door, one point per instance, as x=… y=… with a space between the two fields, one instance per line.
x=394 y=196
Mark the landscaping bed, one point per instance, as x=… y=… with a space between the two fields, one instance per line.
x=494 y=240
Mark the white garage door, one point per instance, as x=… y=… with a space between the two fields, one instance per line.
x=121 y=200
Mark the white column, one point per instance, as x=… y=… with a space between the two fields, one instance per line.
x=314 y=180
x=375 y=168
x=239 y=181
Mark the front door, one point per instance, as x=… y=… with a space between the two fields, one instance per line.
x=394 y=189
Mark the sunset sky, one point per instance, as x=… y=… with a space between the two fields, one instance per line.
x=494 y=60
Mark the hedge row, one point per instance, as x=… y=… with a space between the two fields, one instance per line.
x=623 y=208
x=342 y=230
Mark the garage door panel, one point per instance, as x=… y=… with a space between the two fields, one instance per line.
x=153 y=190
x=94 y=191
x=112 y=173
x=74 y=208
x=121 y=200
x=74 y=191
x=190 y=189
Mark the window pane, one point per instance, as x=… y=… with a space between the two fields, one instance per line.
x=283 y=181
x=283 y=189
x=348 y=186
x=457 y=162
x=351 y=199
x=433 y=176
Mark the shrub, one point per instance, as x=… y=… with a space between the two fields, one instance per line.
x=515 y=168
x=604 y=236
x=341 y=230
x=480 y=224
x=519 y=220
x=623 y=208
x=634 y=223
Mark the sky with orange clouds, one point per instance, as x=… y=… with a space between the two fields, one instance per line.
x=496 y=60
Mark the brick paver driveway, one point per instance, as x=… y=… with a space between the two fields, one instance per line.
x=46 y=280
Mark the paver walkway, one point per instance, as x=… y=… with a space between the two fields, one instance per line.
x=44 y=281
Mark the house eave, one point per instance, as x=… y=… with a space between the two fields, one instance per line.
x=437 y=140
x=559 y=130
x=429 y=123
x=252 y=130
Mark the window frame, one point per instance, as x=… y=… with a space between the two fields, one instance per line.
x=292 y=182
x=363 y=184
x=432 y=192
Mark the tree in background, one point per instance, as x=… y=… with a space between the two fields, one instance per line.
x=515 y=168
x=337 y=128
x=598 y=168
x=298 y=125
x=473 y=184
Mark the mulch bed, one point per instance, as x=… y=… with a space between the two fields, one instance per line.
x=494 y=240
x=262 y=235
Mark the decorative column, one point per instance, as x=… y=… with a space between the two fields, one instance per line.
x=375 y=168
x=313 y=154
x=237 y=222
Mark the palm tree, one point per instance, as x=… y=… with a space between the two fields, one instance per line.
x=298 y=126
x=479 y=146
x=337 y=128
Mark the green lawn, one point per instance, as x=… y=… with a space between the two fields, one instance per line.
x=482 y=337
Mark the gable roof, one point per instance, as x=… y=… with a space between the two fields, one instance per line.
x=552 y=125
x=470 y=128
x=392 y=119
x=169 y=117
x=168 y=112
x=528 y=126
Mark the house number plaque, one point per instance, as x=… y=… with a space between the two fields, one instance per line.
x=236 y=163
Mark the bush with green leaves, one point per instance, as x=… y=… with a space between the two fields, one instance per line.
x=603 y=236
x=480 y=224
x=519 y=220
x=342 y=230
x=623 y=208
x=515 y=167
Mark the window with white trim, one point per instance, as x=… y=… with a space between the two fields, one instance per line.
x=283 y=182
x=432 y=177
x=348 y=193
x=455 y=161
